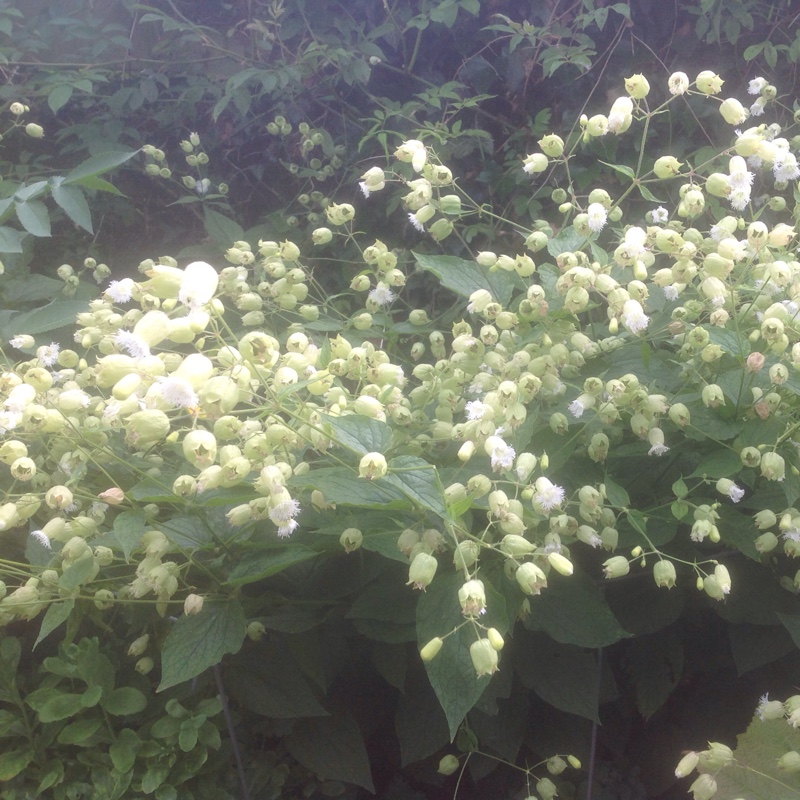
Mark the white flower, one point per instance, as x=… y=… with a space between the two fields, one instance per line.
x=634 y=240
x=598 y=216
x=548 y=495
x=757 y=109
x=120 y=291
x=502 y=455
x=576 y=408
x=678 y=83
x=736 y=493
x=284 y=512
x=670 y=292
x=660 y=215
x=633 y=316
x=412 y=218
x=786 y=169
x=9 y=420
x=717 y=233
x=658 y=450
x=364 y=188
x=178 y=392
x=793 y=534
x=48 y=354
x=741 y=180
x=42 y=538
x=19 y=341
x=756 y=85
x=475 y=409
x=288 y=529
x=381 y=295
x=740 y=198
x=133 y=345
x=199 y=283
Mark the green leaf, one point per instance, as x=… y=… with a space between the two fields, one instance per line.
x=57 y=706
x=10 y=240
x=360 y=433
x=616 y=494
x=57 y=613
x=124 y=750
x=419 y=721
x=72 y=202
x=79 y=731
x=792 y=624
x=48 y=318
x=451 y=673
x=59 y=96
x=419 y=482
x=465 y=277
x=567 y=241
x=751 y=52
x=31 y=288
x=647 y=194
x=223 y=230
x=256 y=567
x=124 y=701
x=282 y=691
x=342 y=486
x=332 y=748
x=621 y=168
x=720 y=463
x=753 y=646
x=655 y=666
x=34 y=217
x=97 y=165
x=78 y=572
x=199 y=641
x=754 y=774
x=573 y=610
x=563 y=675
x=129 y=527
x=12 y=762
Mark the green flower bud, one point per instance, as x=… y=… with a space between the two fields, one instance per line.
x=534 y=163
x=448 y=764
x=421 y=571
x=431 y=650
x=708 y=83
x=616 y=567
x=765 y=519
x=552 y=145
x=138 y=646
x=351 y=539
x=472 y=598
x=560 y=563
x=789 y=762
x=637 y=86
x=484 y=657
x=733 y=112
x=34 y=131
x=773 y=467
x=687 y=764
x=664 y=573
x=667 y=167
x=255 y=630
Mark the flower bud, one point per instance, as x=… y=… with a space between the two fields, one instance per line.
x=616 y=567
x=789 y=762
x=678 y=83
x=193 y=604
x=421 y=571
x=536 y=162
x=773 y=467
x=431 y=649
x=687 y=764
x=546 y=788
x=560 y=563
x=255 y=630
x=351 y=539
x=667 y=167
x=733 y=112
x=637 y=86
x=372 y=465
x=552 y=145
x=138 y=646
x=448 y=764
x=34 y=131
x=709 y=83
x=531 y=578
x=556 y=765
x=664 y=573
x=484 y=657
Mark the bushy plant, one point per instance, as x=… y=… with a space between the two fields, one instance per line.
x=230 y=466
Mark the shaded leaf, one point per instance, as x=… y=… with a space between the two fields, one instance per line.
x=129 y=527
x=360 y=433
x=72 y=202
x=57 y=613
x=199 y=641
x=124 y=701
x=96 y=165
x=465 y=277
x=256 y=567
x=33 y=216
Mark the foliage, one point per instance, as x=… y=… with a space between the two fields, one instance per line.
x=532 y=457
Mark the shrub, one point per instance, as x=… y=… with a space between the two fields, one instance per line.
x=488 y=471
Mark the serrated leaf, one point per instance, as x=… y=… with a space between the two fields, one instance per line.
x=465 y=277
x=57 y=613
x=223 y=230
x=419 y=482
x=72 y=202
x=720 y=463
x=360 y=433
x=621 y=168
x=452 y=673
x=129 y=527
x=754 y=774
x=332 y=748
x=199 y=641
x=567 y=241
x=97 y=165
x=572 y=610
x=10 y=240
x=33 y=216
x=342 y=486
x=48 y=318
x=565 y=676
x=256 y=567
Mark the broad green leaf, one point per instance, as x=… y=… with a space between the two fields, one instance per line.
x=29 y=289
x=97 y=165
x=34 y=217
x=79 y=731
x=648 y=195
x=72 y=202
x=753 y=646
x=720 y=463
x=57 y=613
x=342 y=486
x=792 y=624
x=91 y=697
x=10 y=240
x=48 y=318
x=419 y=721
x=129 y=527
x=78 y=572
x=419 y=482
x=360 y=433
x=565 y=676
x=332 y=748
x=754 y=774
x=573 y=611
x=465 y=277
x=124 y=701
x=387 y=600
x=452 y=673
x=59 y=96
x=655 y=666
x=616 y=494
x=199 y=641
x=621 y=168
x=282 y=691
x=186 y=531
x=255 y=566
x=58 y=706
x=223 y=230
x=567 y=241
x=123 y=751
x=12 y=762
